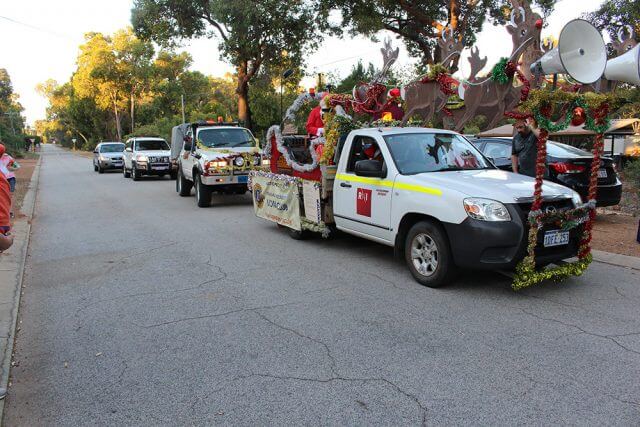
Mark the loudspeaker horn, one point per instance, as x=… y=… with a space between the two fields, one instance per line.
x=581 y=53
x=625 y=68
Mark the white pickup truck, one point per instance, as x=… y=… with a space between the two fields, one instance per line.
x=213 y=157
x=438 y=201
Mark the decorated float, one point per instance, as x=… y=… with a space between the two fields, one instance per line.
x=297 y=192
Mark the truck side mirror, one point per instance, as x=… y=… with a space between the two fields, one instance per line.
x=128 y=149
x=370 y=168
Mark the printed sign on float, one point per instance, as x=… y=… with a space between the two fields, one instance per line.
x=311 y=198
x=363 y=202
x=277 y=201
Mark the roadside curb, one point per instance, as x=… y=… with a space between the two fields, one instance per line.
x=12 y=266
x=616 y=259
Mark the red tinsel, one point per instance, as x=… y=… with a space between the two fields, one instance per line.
x=370 y=105
x=524 y=95
x=541 y=161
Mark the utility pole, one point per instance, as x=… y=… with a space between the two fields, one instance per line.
x=182 y=102
x=320 y=85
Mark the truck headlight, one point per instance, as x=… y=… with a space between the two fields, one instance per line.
x=266 y=162
x=141 y=158
x=239 y=161
x=486 y=209
x=577 y=199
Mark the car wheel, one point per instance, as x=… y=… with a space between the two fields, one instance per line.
x=428 y=255
x=203 y=192
x=100 y=170
x=125 y=173
x=95 y=168
x=134 y=173
x=174 y=175
x=298 y=234
x=183 y=185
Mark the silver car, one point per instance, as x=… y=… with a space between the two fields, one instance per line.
x=108 y=155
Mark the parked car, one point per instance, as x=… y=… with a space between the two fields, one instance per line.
x=147 y=156
x=569 y=166
x=107 y=155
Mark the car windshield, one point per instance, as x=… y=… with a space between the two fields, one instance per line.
x=151 y=144
x=226 y=137
x=556 y=149
x=433 y=152
x=112 y=148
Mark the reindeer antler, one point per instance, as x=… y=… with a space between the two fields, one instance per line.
x=389 y=56
x=476 y=62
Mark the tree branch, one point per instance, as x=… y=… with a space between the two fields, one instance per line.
x=207 y=17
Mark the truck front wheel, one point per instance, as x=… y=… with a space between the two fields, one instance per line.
x=428 y=255
x=183 y=185
x=203 y=192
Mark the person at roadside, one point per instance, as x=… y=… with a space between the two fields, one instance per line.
x=7 y=166
x=6 y=239
x=524 y=148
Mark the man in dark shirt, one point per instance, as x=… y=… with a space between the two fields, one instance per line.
x=524 y=148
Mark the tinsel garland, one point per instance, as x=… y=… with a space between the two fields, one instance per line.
x=301 y=100
x=370 y=105
x=288 y=179
x=274 y=131
x=445 y=83
x=335 y=126
x=503 y=71
x=315 y=228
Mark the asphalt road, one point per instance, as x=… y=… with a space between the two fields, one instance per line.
x=141 y=308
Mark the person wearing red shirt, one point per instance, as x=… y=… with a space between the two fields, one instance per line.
x=6 y=239
x=315 y=125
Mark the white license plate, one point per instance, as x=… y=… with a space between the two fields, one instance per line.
x=556 y=238
x=160 y=168
x=602 y=173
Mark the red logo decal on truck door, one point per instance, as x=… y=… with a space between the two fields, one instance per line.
x=363 y=203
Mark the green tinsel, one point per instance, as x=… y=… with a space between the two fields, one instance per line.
x=435 y=70
x=499 y=74
x=527 y=275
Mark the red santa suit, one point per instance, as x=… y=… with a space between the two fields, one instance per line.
x=314 y=122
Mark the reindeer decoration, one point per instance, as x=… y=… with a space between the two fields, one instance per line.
x=425 y=98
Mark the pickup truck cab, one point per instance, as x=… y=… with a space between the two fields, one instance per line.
x=434 y=197
x=215 y=157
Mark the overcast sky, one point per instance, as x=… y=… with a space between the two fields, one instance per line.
x=40 y=39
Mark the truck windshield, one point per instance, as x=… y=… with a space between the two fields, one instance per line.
x=433 y=152
x=151 y=144
x=235 y=137
x=112 y=148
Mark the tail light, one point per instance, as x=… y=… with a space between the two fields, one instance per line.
x=567 y=168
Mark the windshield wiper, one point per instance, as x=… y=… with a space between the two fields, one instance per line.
x=241 y=143
x=450 y=168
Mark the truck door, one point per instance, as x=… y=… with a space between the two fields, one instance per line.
x=187 y=156
x=363 y=204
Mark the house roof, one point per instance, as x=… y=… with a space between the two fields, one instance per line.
x=617 y=127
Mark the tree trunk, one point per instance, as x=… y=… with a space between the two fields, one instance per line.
x=132 y=107
x=244 y=112
x=118 y=130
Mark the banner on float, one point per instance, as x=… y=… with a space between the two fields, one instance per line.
x=277 y=200
x=311 y=198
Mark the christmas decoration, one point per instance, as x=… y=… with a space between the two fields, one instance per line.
x=578 y=117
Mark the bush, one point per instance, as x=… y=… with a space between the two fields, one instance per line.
x=632 y=173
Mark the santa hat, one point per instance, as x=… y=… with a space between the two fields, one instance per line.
x=394 y=93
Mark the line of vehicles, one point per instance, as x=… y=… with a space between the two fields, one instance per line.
x=441 y=201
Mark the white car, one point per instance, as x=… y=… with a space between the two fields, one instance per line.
x=432 y=195
x=146 y=156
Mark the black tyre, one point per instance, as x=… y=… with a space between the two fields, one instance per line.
x=134 y=173
x=183 y=185
x=174 y=175
x=428 y=255
x=100 y=170
x=203 y=192
x=125 y=172
x=95 y=168
x=298 y=234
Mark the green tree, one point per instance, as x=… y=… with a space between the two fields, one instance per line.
x=251 y=34
x=615 y=15
x=420 y=22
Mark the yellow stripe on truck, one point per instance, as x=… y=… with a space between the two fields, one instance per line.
x=389 y=184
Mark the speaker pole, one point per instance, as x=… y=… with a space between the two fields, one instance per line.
x=555 y=81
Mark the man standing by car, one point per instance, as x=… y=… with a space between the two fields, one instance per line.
x=524 y=149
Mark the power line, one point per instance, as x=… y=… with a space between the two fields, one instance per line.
x=33 y=27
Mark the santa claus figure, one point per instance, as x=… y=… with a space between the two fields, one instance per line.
x=315 y=125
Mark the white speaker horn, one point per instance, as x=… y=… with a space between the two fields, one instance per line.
x=581 y=53
x=625 y=68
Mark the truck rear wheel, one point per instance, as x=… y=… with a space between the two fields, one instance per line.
x=428 y=255
x=203 y=192
x=183 y=185
x=298 y=234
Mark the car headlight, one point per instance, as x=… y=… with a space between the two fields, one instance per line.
x=217 y=164
x=141 y=158
x=486 y=210
x=103 y=158
x=266 y=162
x=577 y=199
x=238 y=161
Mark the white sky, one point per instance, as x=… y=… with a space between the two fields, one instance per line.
x=48 y=47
